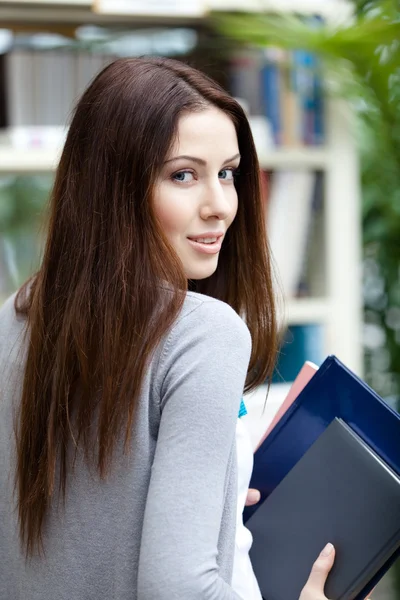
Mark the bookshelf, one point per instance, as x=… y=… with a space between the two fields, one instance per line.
x=81 y=11
x=85 y=11
x=338 y=309
x=70 y=10
x=329 y=9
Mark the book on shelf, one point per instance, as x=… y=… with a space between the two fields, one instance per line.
x=311 y=274
x=294 y=209
x=285 y=87
x=289 y=215
x=42 y=86
x=328 y=470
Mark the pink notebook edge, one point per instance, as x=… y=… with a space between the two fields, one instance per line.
x=305 y=374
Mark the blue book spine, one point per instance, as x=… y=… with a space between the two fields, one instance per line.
x=313 y=101
x=310 y=94
x=309 y=98
x=294 y=86
x=270 y=85
x=319 y=110
x=300 y=79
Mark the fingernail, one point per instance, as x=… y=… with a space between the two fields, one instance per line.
x=327 y=550
x=254 y=495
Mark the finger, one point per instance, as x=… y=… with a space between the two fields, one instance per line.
x=253 y=496
x=320 y=569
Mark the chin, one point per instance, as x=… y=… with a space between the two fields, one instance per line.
x=201 y=272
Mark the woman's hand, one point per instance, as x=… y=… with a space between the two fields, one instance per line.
x=314 y=588
x=253 y=496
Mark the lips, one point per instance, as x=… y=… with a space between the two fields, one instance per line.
x=208 y=243
x=207 y=238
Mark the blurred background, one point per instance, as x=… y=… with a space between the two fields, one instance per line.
x=320 y=82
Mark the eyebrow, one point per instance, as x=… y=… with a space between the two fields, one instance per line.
x=199 y=161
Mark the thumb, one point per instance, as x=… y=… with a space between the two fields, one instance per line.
x=253 y=496
x=320 y=569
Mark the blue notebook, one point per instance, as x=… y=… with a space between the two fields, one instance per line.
x=333 y=392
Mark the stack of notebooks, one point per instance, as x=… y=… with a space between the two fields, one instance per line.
x=328 y=470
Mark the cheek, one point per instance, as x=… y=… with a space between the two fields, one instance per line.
x=166 y=218
x=169 y=211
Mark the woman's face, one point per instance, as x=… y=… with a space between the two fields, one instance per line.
x=195 y=197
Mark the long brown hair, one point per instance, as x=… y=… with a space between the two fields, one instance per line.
x=95 y=311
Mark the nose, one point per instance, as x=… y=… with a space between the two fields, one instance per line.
x=217 y=202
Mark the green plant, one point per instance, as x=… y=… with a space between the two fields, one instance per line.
x=22 y=200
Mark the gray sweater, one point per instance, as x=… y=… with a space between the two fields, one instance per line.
x=162 y=526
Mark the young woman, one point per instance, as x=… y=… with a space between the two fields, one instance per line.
x=124 y=359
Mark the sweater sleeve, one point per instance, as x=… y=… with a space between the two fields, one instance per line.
x=203 y=370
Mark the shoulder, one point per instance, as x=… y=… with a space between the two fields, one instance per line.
x=205 y=314
x=207 y=334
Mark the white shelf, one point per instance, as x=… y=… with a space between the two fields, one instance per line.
x=306 y=310
x=80 y=11
x=306 y=157
x=38 y=3
x=13 y=160
x=153 y=9
x=321 y=7
x=329 y=9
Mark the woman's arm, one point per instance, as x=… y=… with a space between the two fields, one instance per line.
x=204 y=365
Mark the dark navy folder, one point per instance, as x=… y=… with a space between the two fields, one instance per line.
x=334 y=391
